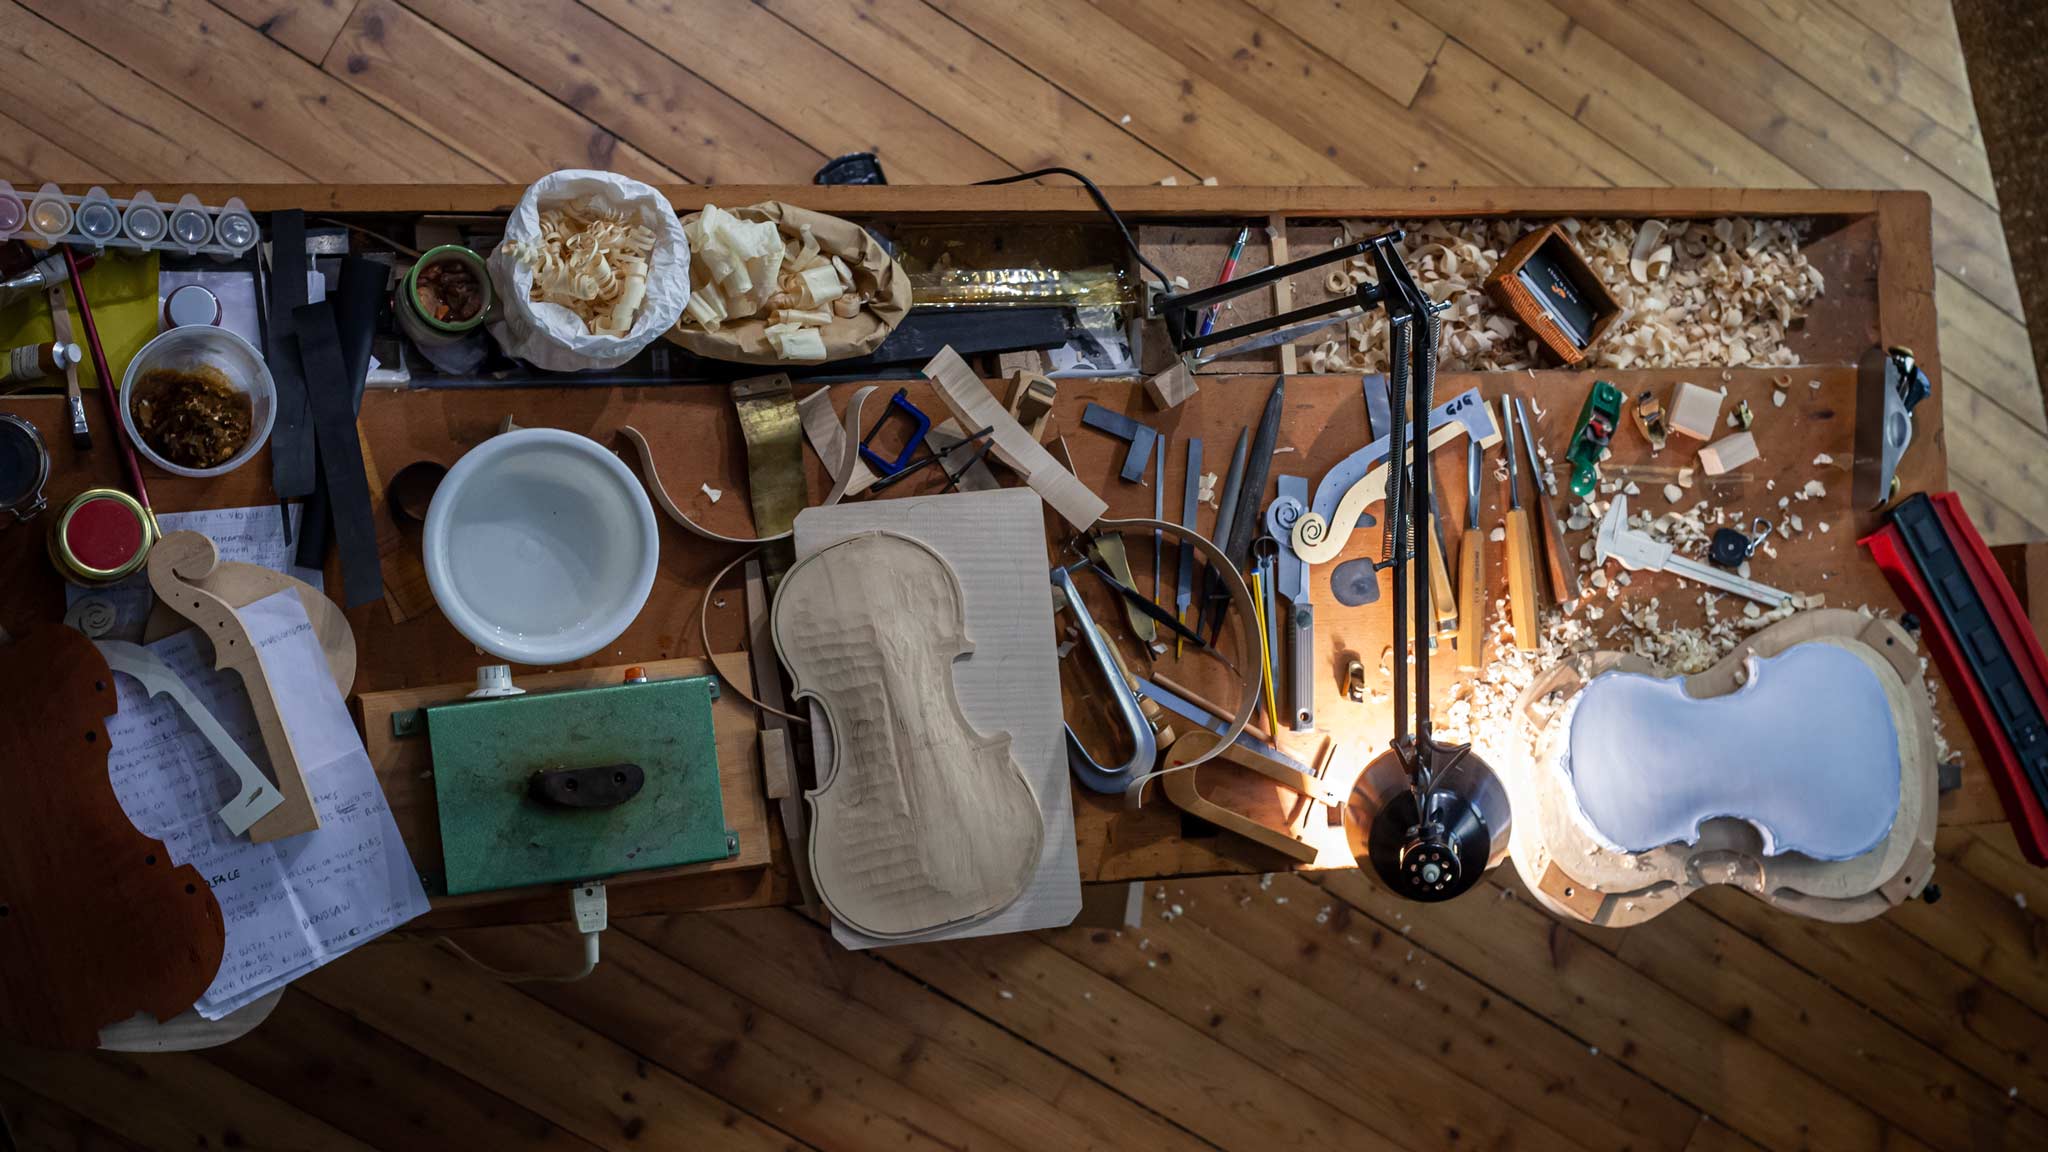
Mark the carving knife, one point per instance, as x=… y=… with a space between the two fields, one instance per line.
x=257 y=797
x=1564 y=571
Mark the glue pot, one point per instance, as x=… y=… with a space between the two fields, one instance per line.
x=102 y=537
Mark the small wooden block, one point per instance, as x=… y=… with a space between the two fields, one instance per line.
x=1728 y=453
x=1173 y=387
x=1031 y=399
x=1695 y=411
x=1584 y=902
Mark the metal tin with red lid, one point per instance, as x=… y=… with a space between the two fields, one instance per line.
x=102 y=537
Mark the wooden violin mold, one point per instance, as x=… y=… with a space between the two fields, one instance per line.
x=920 y=822
x=181 y=568
x=1572 y=871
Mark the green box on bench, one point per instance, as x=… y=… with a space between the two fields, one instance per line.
x=493 y=835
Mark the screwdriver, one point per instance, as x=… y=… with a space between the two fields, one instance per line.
x=1521 y=557
x=1472 y=570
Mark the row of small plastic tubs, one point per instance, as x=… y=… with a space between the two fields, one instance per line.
x=100 y=220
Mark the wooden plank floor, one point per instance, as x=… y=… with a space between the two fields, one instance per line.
x=1244 y=1014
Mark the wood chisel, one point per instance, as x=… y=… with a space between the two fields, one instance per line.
x=1158 y=513
x=1472 y=569
x=1442 y=596
x=1521 y=557
x=1226 y=516
x=1190 y=501
x=1563 y=567
x=1244 y=522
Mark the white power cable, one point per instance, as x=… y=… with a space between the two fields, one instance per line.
x=592 y=917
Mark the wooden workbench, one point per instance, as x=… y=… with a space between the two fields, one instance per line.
x=1872 y=246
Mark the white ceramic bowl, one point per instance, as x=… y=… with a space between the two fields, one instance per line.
x=540 y=546
x=191 y=347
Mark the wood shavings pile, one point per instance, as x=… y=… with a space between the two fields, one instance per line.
x=744 y=269
x=592 y=262
x=1693 y=293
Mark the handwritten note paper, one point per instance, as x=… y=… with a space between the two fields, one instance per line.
x=246 y=535
x=290 y=905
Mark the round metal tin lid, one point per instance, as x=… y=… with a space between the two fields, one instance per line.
x=103 y=535
x=191 y=304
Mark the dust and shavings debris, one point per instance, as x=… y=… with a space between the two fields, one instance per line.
x=1823 y=460
x=1692 y=293
x=1065 y=648
x=1497 y=535
x=1006 y=994
x=2020 y=898
x=1205 y=490
x=713 y=493
x=1777 y=399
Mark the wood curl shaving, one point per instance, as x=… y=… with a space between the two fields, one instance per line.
x=592 y=262
x=743 y=269
x=1693 y=293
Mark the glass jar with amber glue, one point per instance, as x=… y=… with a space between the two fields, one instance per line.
x=102 y=537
